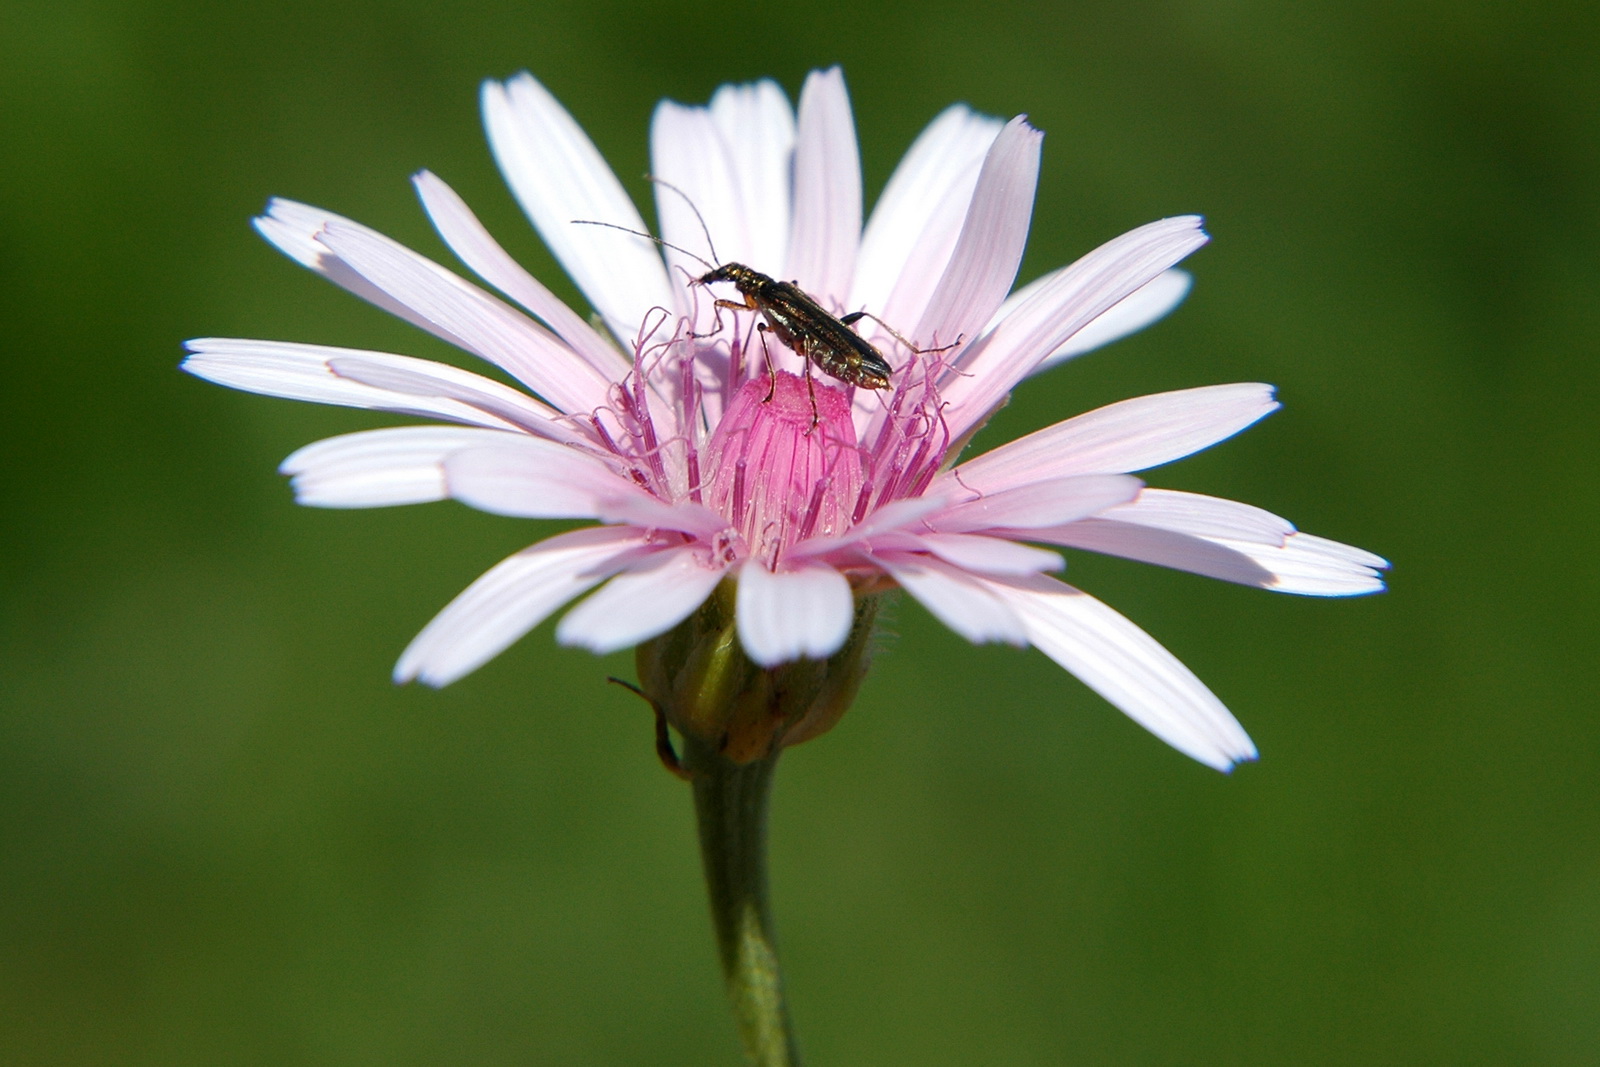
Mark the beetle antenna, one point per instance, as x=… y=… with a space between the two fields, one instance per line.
x=698 y=217
x=646 y=236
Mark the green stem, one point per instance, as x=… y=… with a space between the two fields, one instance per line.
x=730 y=800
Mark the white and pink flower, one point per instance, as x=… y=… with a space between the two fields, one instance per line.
x=665 y=426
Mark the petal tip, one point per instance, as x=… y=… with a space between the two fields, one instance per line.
x=1237 y=761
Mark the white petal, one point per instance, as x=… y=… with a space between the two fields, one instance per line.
x=989 y=555
x=1125 y=665
x=425 y=294
x=1008 y=352
x=955 y=599
x=989 y=251
x=293 y=228
x=558 y=175
x=651 y=597
x=1129 y=435
x=917 y=219
x=826 y=227
x=758 y=119
x=687 y=150
x=1314 y=566
x=1165 y=548
x=650 y=513
x=1204 y=516
x=1133 y=313
x=380 y=468
x=426 y=380
x=696 y=168
x=1042 y=503
x=512 y=598
x=493 y=330
x=533 y=479
x=374 y=380
x=1301 y=564
x=892 y=517
x=805 y=611
x=475 y=247
x=1338 y=550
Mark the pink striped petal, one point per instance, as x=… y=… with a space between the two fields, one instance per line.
x=512 y=598
x=690 y=156
x=955 y=599
x=293 y=228
x=988 y=555
x=380 y=468
x=757 y=117
x=474 y=246
x=1165 y=548
x=533 y=479
x=1147 y=305
x=1129 y=435
x=425 y=380
x=1125 y=665
x=651 y=597
x=1314 y=566
x=892 y=517
x=1041 y=503
x=806 y=611
x=304 y=372
x=688 y=151
x=425 y=294
x=558 y=175
x=649 y=513
x=992 y=365
x=917 y=220
x=989 y=251
x=1204 y=516
x=493 y=330
x=1303 y=564
x=826 y=227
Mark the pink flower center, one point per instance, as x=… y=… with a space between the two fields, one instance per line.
x=786 y=468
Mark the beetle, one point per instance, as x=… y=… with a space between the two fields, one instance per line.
x=819 y=337
x=804 y=326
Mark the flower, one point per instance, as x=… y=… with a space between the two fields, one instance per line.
x=707 y=450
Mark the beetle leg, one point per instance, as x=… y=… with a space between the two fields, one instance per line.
x=766 y=354
x=811 y=390
x=856 y=316
x=732 y=305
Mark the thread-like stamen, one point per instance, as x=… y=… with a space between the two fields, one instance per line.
x=863 y=498
x=775 y=543
x=735 y=367
x=692 y=467
x=639 y=475
x=690 y=388
x=890 y=479
x=914 y=468
x=647 y=432
x=924 y=477
x=738 y=491
x=814 y=508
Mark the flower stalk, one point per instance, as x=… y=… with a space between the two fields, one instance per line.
x=730 y=801
x=735 y=718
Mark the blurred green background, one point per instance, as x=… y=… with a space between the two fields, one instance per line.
x=225 y=838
